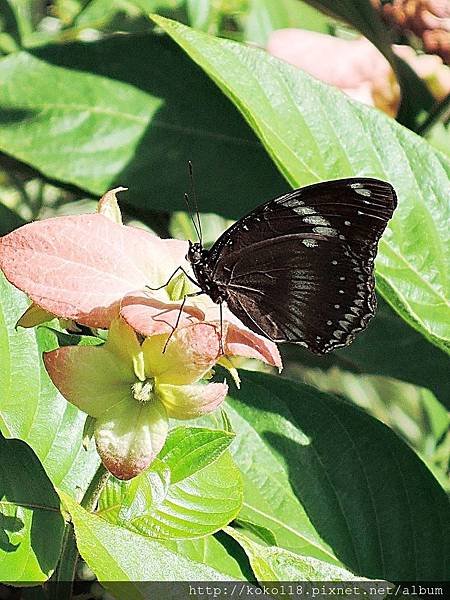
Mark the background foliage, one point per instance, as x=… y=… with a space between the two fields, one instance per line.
x=340 y=467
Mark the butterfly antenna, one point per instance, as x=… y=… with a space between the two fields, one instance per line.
x=194 y=196
x=191 y=215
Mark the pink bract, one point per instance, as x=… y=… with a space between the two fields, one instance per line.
x=149 y=317
x=80 y=267
x=89 y=268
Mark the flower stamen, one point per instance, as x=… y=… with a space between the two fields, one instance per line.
x=143 y=390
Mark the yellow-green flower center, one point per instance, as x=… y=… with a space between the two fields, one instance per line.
x=143 y=390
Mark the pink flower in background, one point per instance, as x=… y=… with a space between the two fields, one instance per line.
x=357 y=67
x=354 y=66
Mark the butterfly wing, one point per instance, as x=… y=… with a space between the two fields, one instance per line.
x=300 y=268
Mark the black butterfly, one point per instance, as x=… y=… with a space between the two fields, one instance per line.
x=300 y=267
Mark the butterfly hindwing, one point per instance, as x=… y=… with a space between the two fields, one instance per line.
x=300 y=267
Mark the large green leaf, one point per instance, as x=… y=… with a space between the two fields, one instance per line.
x=9 y=220
x=123 y=561
x=31 y=408
x=270 y=563
x=388 y=347
x=207 y=550
x=315 y=132
x=31 y=525
x=193 y=489
x=365 y=491
x=269 y=499
x=10 y=38
x=130 y=111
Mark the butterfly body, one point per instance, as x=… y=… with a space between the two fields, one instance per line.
x=299 y=268
x=198 y=257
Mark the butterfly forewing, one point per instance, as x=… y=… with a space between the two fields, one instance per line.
x=300 y=267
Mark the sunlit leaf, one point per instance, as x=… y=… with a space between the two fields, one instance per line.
x=193 y=489
x=118 y=112
x=295 y=117
x=124 y=561
x=271 y=563
x=31 y=408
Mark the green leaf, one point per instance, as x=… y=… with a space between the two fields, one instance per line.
x=190 y=449
x=118 y=112
x=388 y=347
x=365 y=491
x=207 y=550
x=266 y=16
x=9 y=220
x=182 y=228
x=269 y=500
x=262 y=533
x=193 y=489
x=201 y=14
x=294 y=115
x=31 y=408
x=439 y=137
x=270 y=563
x=123 y=561
x=73 y=339
x=31 y=525
x=9 y=25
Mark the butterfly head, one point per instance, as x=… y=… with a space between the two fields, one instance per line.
x=195 y=253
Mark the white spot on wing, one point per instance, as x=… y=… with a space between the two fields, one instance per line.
x=316 y=220
x=303 y=210
x=363 y=192
x=325 y=231
x=310 y=243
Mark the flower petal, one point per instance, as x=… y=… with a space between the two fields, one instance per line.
x=189 y=355
x=123 y=343
x=191 y=401
x=108 y=205
x=129 y=437
x=95 y=378
x=150 y=316
x=90 y=377
x=80 y=267
x=239 y=341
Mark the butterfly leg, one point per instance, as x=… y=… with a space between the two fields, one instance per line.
x=192 y=295
x=180 y=268
x=221 y=350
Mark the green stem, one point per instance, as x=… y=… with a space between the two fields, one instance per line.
x=439 y=112
x=61 y=583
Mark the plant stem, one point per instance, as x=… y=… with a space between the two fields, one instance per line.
x=440 y=111
x=92 y=494
x=61 y=583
